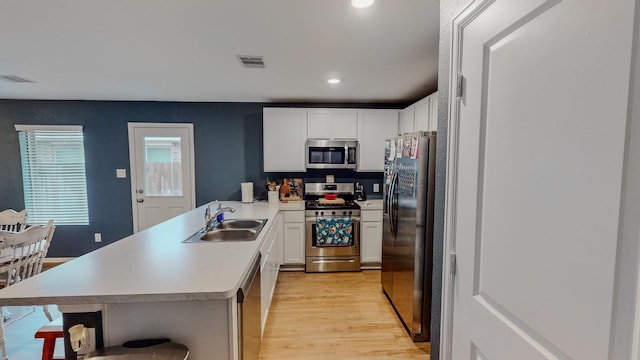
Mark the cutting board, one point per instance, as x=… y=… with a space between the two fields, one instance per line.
x=334 y=201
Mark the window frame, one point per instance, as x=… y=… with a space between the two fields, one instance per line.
x=70 y=199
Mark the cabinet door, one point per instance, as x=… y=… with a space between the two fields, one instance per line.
x=332 y=124
x=265 y=286
x=344 y=124
x=374 y=126
x=284 y=135
x=423 y=113
x=371 y=242
x=294 y=243
x=406 y=120
x=318 y=124
x=433 y=112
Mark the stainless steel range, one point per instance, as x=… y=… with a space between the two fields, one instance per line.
x=332 y=240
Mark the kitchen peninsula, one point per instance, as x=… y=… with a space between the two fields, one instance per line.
x=151 y=284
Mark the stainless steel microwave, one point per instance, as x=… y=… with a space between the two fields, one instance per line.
x=331 y=154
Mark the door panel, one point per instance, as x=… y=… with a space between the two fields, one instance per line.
x=539 y=178
x=161 y=171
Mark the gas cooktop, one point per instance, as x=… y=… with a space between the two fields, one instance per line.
x=315 y=195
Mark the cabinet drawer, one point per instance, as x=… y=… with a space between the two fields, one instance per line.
x=371 y=215
x=294 y=216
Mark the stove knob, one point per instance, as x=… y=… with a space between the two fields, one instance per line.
x=350 y=212
x=321 y=213
x=316 y=213
x=333 y=213
x=344 y=213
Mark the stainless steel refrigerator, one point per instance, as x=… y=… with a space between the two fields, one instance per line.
x=407 y=243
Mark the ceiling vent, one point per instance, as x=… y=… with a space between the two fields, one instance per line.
x=251 y=61
x=13 y=78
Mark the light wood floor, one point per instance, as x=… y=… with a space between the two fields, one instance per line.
x=335 y=316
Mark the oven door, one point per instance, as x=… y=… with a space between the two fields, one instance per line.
x=332 y=244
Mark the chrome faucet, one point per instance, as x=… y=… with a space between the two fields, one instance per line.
x=211 y=221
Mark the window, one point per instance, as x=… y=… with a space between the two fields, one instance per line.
x=53 y=174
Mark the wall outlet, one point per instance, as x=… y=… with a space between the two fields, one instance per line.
x=97 y=237
x=376 y=188
x=121 y=173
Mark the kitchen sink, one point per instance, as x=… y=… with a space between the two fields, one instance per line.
x=230 y=230
x=241 y=224
x=229 y=235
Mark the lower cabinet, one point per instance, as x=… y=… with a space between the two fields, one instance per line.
x=371 y=239
x=269 y=267
x=293 y=233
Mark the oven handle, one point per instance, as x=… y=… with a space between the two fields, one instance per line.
x=332 y=261
x=314 y=218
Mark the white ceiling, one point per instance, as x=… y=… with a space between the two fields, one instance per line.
x=185 y=50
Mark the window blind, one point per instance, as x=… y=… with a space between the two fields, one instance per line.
x=53 y=174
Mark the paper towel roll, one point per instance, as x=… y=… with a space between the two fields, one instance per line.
x=247 y=192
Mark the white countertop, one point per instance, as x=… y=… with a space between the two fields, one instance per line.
x=373 y=204
x=152 y=265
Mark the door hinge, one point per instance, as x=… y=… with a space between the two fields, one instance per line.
x=452 y=263
x=460 y=86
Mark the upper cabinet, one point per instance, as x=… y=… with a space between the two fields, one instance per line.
x=374 y=127
x=332 y=124
x=433 y=111
x=285 y=131
x=420 y=116
x=423 y=115
x=406 y=120
x=284 y=134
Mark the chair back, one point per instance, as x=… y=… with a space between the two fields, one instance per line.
x=22 y=253
x=10 y=220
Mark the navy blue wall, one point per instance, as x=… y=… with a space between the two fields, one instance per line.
x=228 y=147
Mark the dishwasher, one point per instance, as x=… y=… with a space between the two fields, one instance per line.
x=249 y=323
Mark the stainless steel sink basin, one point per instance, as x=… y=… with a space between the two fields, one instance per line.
x=241 y=224
x=229 y=235
x=230 y=230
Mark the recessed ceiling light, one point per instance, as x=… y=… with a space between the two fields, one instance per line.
x=361 y=4
x=333 y=81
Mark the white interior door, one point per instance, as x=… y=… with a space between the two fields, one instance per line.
x=537 y=141
x=162 y=172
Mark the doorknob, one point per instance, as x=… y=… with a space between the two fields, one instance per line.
x=140 y=200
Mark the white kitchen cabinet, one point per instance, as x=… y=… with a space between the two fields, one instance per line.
x=374 y=126
x=423 y=114
x=420 y=116
x=406 y=120
x=293 y=234
x=269 y=267
x=371 y=238
x=433 y=112
x=332 y=124
x=284 y=135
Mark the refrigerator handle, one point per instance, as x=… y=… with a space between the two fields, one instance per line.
x=392 y=200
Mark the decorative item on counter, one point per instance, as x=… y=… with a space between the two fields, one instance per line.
x=285 y=189
x=291 y=190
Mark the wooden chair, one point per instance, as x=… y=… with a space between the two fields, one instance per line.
x=21 y=256
x=10 y=220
